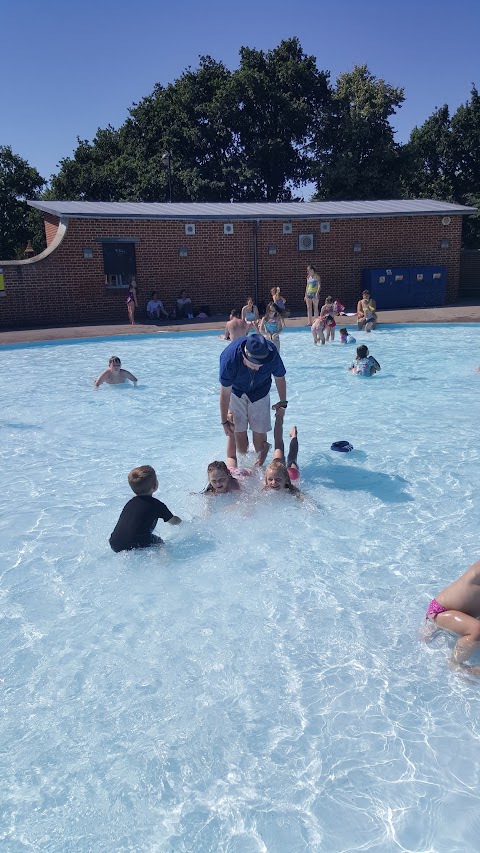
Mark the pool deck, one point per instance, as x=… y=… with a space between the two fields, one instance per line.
x=461 y=312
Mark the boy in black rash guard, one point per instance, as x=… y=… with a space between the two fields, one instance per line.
x=134 y=528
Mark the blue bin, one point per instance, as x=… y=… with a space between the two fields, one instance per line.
x=389 y=287
x=429 y=286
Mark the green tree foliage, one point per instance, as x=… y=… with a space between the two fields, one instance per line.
x=428 y=165
x=18 y=181
x=443 y=161
x=280 y=104
x=357 y=157
x=241 y=135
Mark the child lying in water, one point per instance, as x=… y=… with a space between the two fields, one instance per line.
x=278 y=475
x=457 y=609
x=222 y=477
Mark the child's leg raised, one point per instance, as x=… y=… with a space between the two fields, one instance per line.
x=293 y=449
x=279 y=451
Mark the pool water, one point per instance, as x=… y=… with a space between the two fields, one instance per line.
x=257 y=684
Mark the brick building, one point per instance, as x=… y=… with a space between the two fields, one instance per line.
x=219 y=253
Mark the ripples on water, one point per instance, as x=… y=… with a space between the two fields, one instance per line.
x=258 y=685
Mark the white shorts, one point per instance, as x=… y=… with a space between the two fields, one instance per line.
x=245 y=413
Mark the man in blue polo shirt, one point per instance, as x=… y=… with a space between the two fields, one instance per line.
x=246 y=369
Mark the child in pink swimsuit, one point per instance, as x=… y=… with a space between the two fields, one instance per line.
x=457 y=609
x=280 y=475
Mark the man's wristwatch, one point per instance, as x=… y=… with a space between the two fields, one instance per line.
x=283 y=404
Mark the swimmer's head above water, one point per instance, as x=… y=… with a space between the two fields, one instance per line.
x=220 y=480
x=277 y=478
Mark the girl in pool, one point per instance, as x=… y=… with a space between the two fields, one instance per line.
x=346 y=337
x=278 y=475
x=272 y=324
x=318 y=327
x=457 y=609
x=132 y=301
x=364 y=364
x=251 y=316
x=327 y=315
x=224 y=477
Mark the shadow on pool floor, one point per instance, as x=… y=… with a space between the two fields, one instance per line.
x=389 y=488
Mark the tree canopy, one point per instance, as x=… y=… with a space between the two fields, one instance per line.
x=259 y=133
x=18 y=181
x=442 y=160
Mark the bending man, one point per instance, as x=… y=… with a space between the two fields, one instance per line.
x=246 y=369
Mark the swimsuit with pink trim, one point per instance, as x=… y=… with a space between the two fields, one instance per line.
x=434 y=608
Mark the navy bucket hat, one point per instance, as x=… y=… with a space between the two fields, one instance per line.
x=342 y=446
x=258 y=350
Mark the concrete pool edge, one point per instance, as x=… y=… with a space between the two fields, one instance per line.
x=458 y=313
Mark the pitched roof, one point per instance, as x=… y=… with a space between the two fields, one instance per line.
x=253 y=210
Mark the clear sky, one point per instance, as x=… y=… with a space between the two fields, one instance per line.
x=70 y=67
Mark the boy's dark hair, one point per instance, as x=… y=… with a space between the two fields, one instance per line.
x=235 y=313
x=142 y=480
x=362 y=351
x=343 y=331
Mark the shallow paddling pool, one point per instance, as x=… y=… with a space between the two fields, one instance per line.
x=257 y=684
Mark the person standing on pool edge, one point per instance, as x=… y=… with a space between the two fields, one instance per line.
x=246 y=369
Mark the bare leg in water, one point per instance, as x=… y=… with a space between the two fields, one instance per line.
x=279 y=451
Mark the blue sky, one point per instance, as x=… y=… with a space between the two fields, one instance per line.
x=69 y=68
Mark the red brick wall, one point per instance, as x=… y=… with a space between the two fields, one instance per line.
x=219 y=270
x=51 y=227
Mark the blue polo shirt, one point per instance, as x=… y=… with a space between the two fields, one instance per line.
x=254 y=383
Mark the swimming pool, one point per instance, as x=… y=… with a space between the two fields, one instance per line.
x=258 y=685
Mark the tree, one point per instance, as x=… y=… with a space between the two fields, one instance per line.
x=243 y=135
x=444 y=161
x=281 y=99
x=428 y=166
x=18 y=181
x=357 y=157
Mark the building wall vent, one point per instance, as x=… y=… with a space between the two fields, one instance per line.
x=228 y=228
x=190 y=229
x=324 y=228
x=305 y=242
x=287 y=228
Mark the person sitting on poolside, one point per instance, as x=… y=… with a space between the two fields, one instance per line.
x=155 y=307
x=366 y=312
x=457 y=609
x=184 y=306
x=115 y=374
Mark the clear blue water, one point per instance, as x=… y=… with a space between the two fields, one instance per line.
x=259 y=684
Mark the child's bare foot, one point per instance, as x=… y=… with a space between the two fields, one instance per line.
x=263 y=454
x=293 y=432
